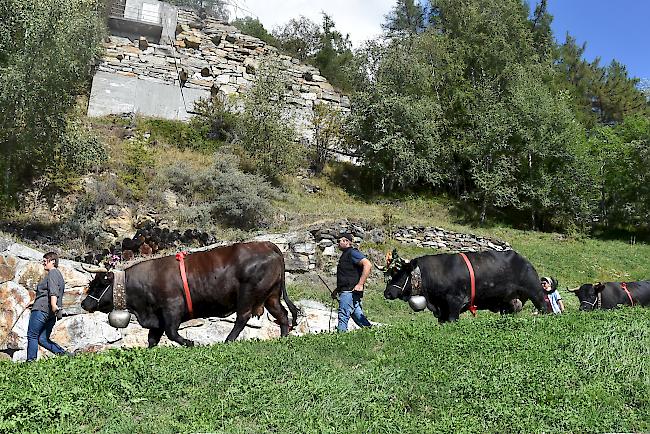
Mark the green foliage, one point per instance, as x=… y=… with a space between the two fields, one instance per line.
x=569 y=373
x=267 y=137
x=137 y=169
x=622 y=155
x=324 y=47
x=333 y=55
x=213 y=125
x=253 y=27
x=327 y=123
x=46 y=49
x=299 y=37
x=220 y=194
x=215 y=119
x=406 y=18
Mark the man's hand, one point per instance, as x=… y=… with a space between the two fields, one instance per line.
x=59 y=314
x=358 y=287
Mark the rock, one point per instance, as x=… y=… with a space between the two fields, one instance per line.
x=143 y=44
x=6 y=272
x=14 y=299
x=192 y=41
x=80 y=332
x=119 y=223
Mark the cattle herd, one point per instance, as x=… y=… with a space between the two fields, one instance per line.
x=246 y=278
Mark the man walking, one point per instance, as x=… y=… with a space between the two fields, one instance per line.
x=46 y=309
x=351 y=274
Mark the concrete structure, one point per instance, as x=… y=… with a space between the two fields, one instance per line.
x=154 y=20
x=115 y=93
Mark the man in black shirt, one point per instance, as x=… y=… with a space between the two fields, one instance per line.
x=351 y=274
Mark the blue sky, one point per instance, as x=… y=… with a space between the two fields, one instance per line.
x=618 y=29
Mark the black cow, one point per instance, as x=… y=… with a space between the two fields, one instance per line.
x=242 y=278
x=609 y=295
x=504 y=281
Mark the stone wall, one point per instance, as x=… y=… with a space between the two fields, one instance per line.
x=217 y=59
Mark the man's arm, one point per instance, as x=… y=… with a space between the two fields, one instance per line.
x=367 y=267
x=53 y=304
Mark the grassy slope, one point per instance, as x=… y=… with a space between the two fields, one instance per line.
x=572 y=373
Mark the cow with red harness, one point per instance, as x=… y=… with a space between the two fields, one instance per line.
x=449 y=284
x=241 y=278
x=610 y=295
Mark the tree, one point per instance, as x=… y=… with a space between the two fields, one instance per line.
x=333 y=54
x=299 y=37
x=406 y=18
x=253 y=27
x=327 y=125
x=267 y=135
x=46 y=49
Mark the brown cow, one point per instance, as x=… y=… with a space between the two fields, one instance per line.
x=242 y=278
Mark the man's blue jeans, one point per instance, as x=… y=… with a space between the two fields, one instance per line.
x=350 y=305
x=38 y=332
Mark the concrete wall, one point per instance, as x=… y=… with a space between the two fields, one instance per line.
x=115 y=93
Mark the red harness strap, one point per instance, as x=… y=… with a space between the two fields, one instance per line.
x=624 y=287
x=472 y=282
x=180 y=257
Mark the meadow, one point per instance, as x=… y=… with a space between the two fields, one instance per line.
x=578 y=372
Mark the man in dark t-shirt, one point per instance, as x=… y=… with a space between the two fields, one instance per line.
x=46 y=309
x=351 y=275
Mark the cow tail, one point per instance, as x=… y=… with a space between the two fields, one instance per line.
x=292 y=307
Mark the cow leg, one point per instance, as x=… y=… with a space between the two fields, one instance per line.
x=154 y=336
x=276 y=309
x=172 y=322
x=240 y=323
x=172 y=334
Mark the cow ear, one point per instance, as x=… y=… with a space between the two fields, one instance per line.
x=598 y=287
x=110 y=275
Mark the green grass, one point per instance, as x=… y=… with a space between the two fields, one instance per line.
x=573 y=373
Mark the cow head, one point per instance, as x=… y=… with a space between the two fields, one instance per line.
x=397 y=274
x=100 y=293
x=589 y=295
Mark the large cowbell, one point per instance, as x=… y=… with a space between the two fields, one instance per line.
x=119 y=318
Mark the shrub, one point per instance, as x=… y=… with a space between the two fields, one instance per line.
x=214 y=120
x=137 y=166
x=220 y=194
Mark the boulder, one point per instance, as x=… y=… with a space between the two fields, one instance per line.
x=14 y=300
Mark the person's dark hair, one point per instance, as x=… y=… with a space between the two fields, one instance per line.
x=346 y=235
x=51 y=256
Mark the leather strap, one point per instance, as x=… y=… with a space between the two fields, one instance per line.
x=472 y=282
x=180 y=257
x=627 y=291
x=119 y=290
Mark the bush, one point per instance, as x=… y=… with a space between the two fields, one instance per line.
x=214 y=120
x=220 y=194
x=137 y=167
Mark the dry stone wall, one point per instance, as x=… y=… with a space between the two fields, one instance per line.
x=215 y=58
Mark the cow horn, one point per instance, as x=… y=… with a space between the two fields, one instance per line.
x=379 y=267
x=572 y=289
x=94 y=270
